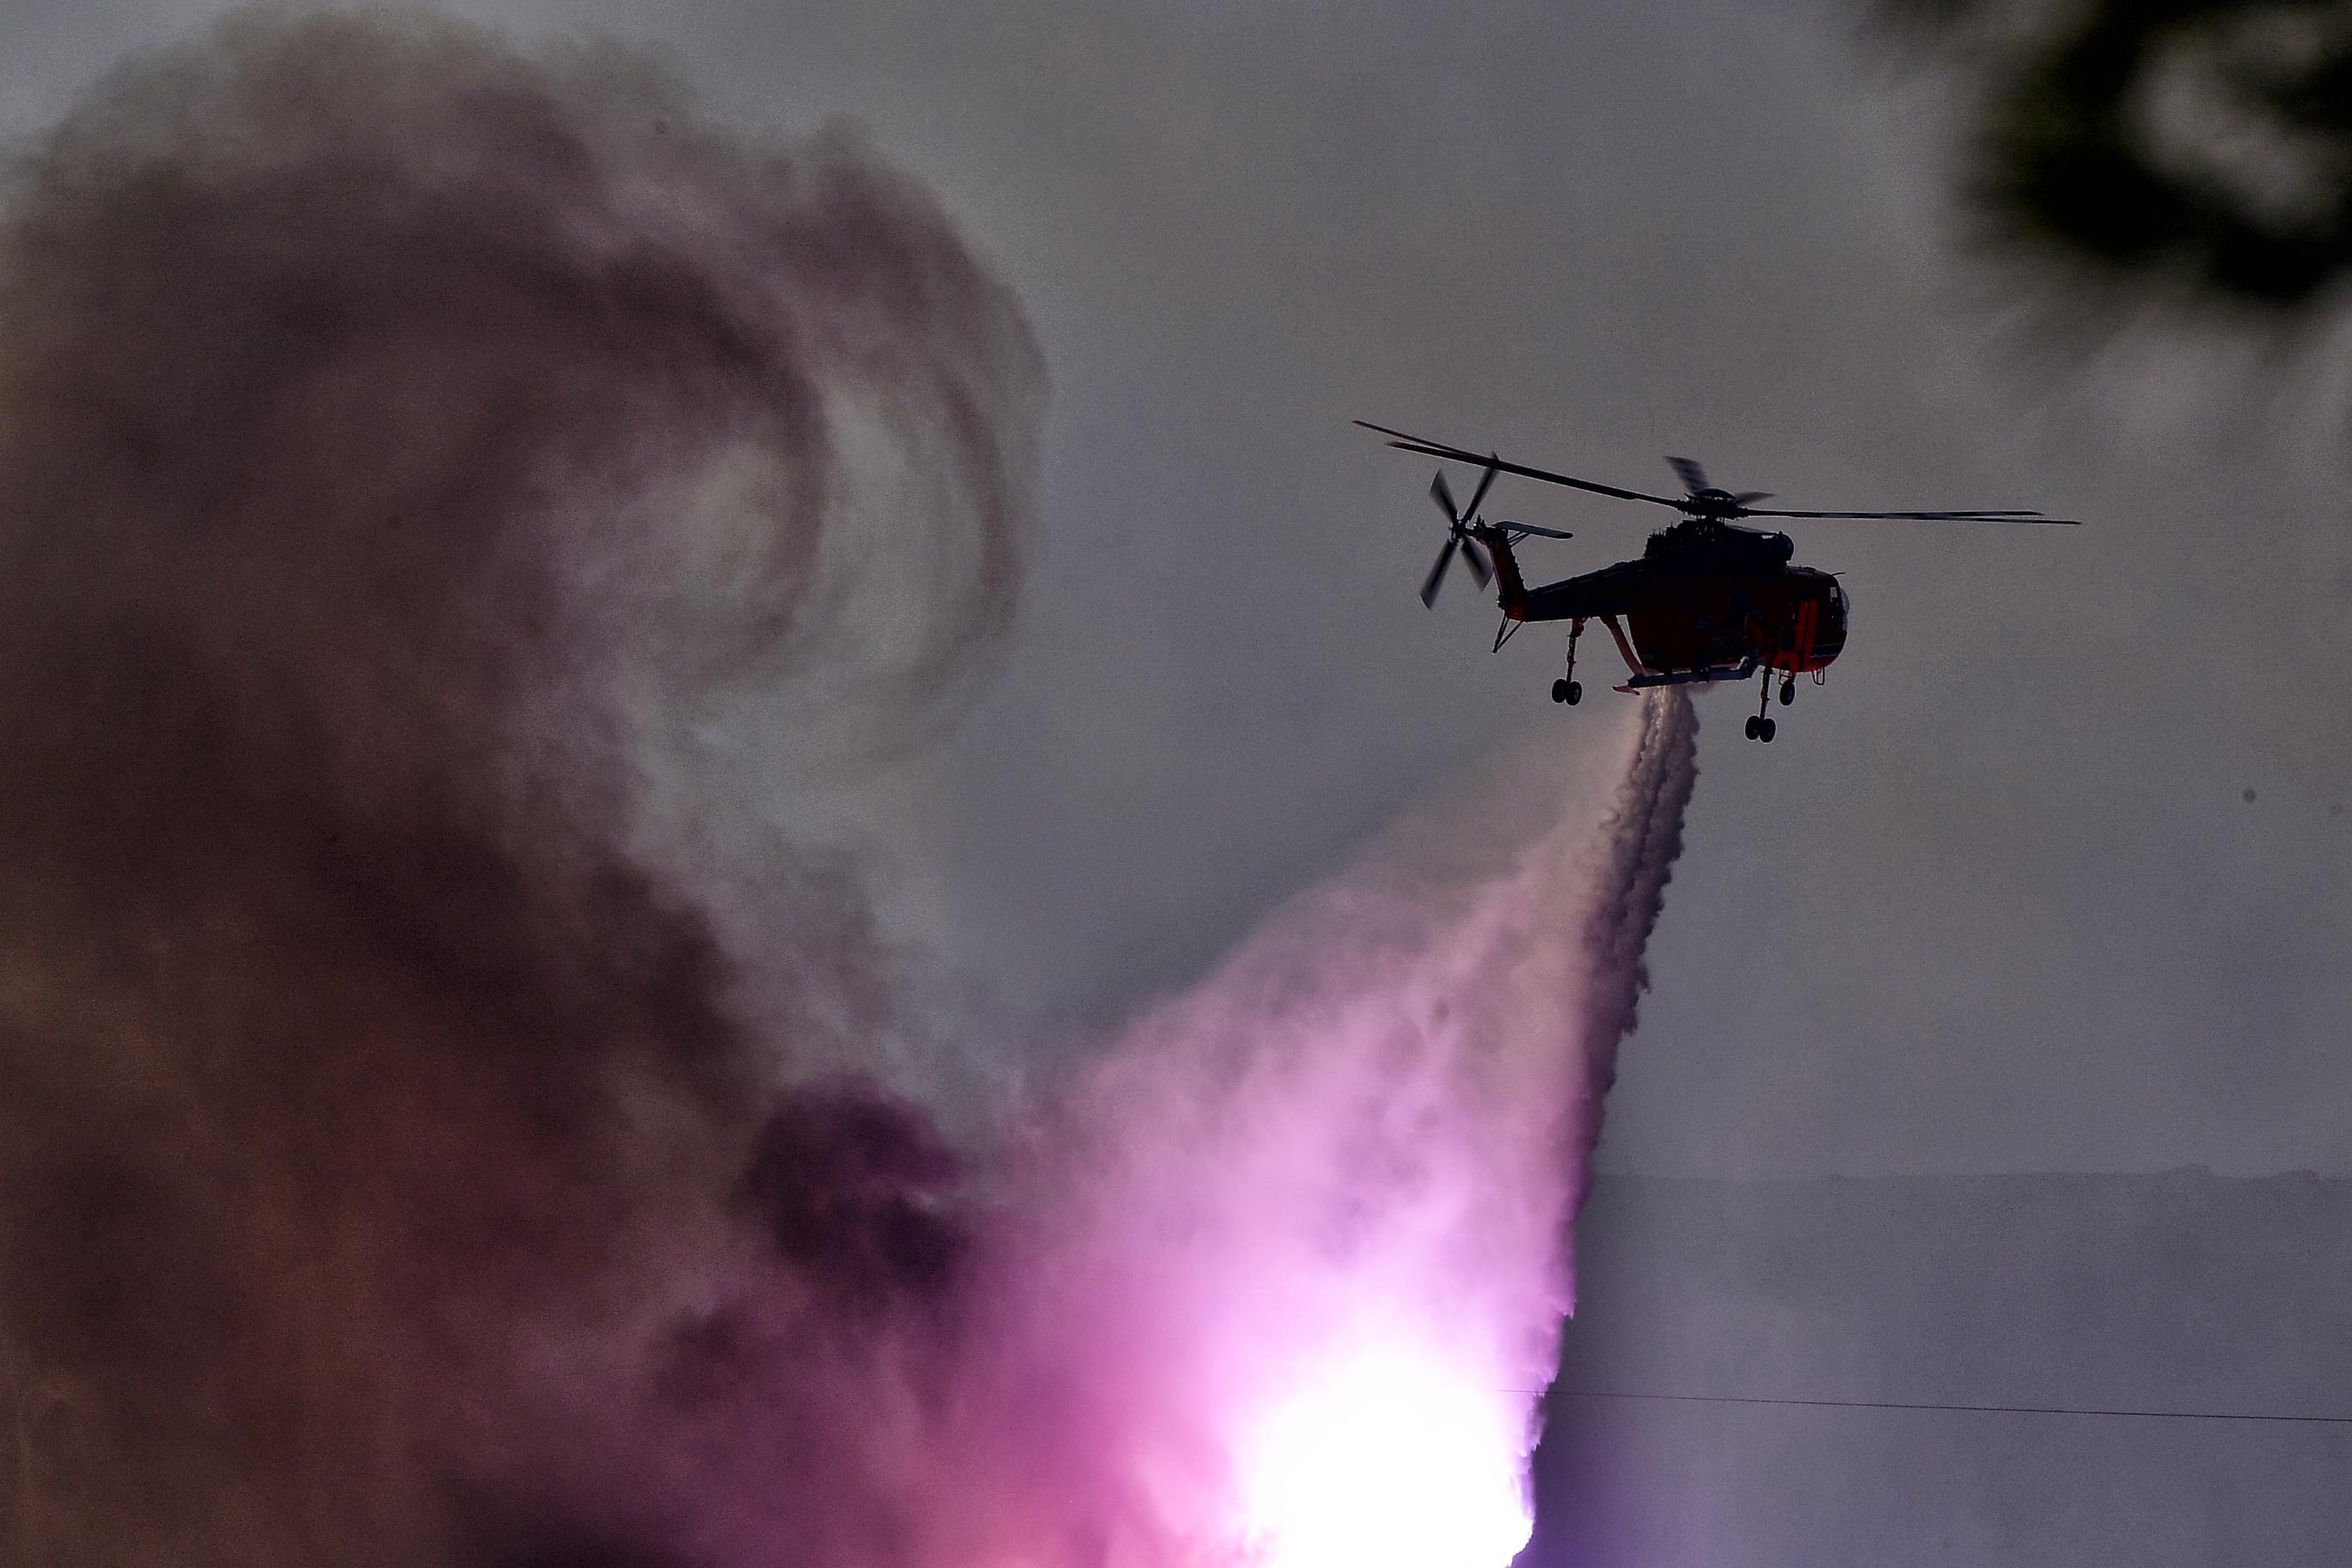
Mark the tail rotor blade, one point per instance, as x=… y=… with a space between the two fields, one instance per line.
x=1479 y=494
x=1443 y=497
x=1475 y=557
x=1437 y=574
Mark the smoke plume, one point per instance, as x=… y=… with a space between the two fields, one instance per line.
x=436 y=1129
x=403 y=444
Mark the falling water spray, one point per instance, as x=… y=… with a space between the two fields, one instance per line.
x=1322 y=1197
x=441 y=1125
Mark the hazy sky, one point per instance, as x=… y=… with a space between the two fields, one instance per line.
x=1996 y=899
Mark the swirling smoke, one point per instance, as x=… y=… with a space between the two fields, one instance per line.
x=438 y=1125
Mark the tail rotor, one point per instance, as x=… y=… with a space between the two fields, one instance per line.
x=1459 y=522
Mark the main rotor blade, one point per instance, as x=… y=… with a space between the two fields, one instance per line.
x=1404 y=443
x=1744 y=496
x=1692 y=476
x=1930 y=516
x=1437 y=573
x=1485 y=481
x=1444 y=498
x=1475 y=557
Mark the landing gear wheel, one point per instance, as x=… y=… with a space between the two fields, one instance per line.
x=1787 y=691
x=1754 y=726
x=1575 y=692
x=1765 y=730
x=1560 y=689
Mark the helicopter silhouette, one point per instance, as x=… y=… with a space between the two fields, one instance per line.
x=1706 y=600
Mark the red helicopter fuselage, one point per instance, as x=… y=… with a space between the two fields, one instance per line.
x=1705 y=601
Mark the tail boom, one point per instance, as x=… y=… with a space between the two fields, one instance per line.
x=1510 y=588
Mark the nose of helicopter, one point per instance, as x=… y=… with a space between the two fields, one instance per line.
x=1830 y=641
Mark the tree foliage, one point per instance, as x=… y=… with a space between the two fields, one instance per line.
x=2200 y=150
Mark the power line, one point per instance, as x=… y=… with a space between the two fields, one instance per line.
x=1980 y=1409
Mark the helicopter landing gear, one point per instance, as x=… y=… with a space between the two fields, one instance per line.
x=1760 y=728
x=1788 y=689
x=1568 y=689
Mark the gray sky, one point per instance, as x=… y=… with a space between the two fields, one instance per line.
x=1995 y=898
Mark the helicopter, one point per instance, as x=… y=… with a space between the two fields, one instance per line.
x=1709 y=600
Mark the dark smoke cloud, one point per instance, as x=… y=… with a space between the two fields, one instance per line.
x=401 y=441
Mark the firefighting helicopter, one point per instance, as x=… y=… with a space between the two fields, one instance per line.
x=1707 y=600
